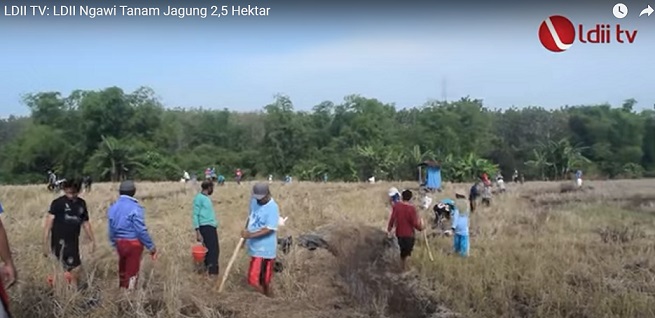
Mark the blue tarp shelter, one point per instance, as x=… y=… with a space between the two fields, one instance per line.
x=432 y=174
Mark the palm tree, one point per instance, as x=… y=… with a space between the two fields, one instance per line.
x=539 y=162
x=468 y=168
x=556 y=158
x=115 y=159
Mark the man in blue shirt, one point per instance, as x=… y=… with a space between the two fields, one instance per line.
x=261 y=238
x=128 y=234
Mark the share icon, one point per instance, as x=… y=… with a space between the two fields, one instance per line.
x=647 y=11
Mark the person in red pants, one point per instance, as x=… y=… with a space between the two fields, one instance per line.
x=128 y=234
x=7 y=271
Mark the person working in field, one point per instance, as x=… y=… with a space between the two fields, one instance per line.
x=460 y=227
x=221 y=179
x=128 y=234
x=578 y=178
x=261 y=238
x=475 y=193
x=500 y=181
x=7 y=271
x=443 y=211
x=66 y=217
x=52 y=180
x=87 y=182
x=486 y=194
x=238 y=175
x=405 y=220
x=394 y=196
x=205 y=224
x=480 y=190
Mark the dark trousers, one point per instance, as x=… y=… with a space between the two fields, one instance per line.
x=210 y=240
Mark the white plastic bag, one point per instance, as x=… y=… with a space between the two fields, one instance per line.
x=426 y=202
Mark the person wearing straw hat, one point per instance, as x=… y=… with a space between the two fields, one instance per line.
x=205 y=224
x=128 y=234
x=261 y=238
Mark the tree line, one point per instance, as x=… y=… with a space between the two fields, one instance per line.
x=111 y=134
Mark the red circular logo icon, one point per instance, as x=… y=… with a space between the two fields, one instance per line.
x=557 y=33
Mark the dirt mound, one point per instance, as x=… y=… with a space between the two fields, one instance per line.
x=366 y=263
x=345 y=270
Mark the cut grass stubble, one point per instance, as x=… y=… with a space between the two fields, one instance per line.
x=536 y=252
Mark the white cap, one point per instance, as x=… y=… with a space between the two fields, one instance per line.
x=393 y=191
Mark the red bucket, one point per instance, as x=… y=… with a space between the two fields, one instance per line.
x=198 y=252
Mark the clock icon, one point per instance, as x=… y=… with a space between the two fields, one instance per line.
x=620 y=10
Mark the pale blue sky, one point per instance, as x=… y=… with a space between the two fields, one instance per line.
x=403 y=57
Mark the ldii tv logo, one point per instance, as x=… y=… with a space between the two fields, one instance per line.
x=557 y=33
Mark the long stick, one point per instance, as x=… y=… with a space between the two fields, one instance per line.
x=427 y=245
x=231 y=262
x=229 y=265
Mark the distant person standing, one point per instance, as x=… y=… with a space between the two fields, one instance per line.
x=261 y=238
x=325 y=177
x=485 y=179
x=87 y=182
x=405 y=220
x=238 y=175
x=500 y=181
x=66 y=217
x=578 y=178
x=128 y=234
x=7 y=272
x=475 y=193
x=52 y=180
x=205 y=225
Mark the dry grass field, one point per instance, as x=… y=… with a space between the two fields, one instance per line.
x=535 y=252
